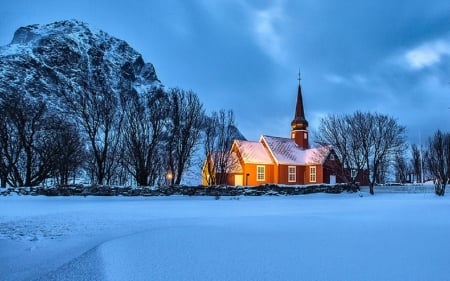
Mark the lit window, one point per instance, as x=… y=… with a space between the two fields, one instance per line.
x=292 y=175
x=305 y=136
x=260 y=173
x=312 y=174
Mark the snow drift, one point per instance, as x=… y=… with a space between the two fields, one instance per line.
x=391 y=236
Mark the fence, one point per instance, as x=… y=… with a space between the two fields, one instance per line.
x=407 y=188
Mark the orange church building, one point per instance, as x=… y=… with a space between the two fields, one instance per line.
x=278 y=160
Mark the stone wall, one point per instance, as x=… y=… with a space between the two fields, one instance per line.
x=101 y=190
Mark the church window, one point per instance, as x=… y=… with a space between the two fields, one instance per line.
x=260 y=173
x=292 y=175
x=312 y=174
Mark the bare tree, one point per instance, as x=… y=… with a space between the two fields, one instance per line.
x=184 y=131
x=210 y=132
x=69 y=150
x=8 y=147
x=364 y=141
x=146 y=118
x=386 y=140
x=343 y=134
x=219 y=135
x=402 y=168
x=3 y=170
x=97 y=106
x=26 y=143
x=417 y=162
x=438 y=160
x=331 y=132
x=359 y=134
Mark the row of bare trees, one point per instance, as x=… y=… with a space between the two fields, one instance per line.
x=428 y=162
x=410 y=167
x=35 y=142
x=117 y=137
x=376 y=143
x=431 y=162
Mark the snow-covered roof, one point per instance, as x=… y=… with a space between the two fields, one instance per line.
x=253 y=152
x=317 y=155
x=286 y=151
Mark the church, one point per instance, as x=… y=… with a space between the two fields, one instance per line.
x=277 y=160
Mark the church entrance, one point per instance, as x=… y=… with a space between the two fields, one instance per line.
x=332 y=179
x=238 y=180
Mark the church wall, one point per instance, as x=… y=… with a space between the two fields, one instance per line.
x=284 y=175
x=276 y=173
x=319 y=174
x=301 y=172
x=303 y=175
x=320 y=171
x=205 y=174
x=301 y=138
x=251 y=170
x=231 y=179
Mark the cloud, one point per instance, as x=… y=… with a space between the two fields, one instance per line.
x=354 y=80
x=335 y=79
x=267 y=28
x=427 y=54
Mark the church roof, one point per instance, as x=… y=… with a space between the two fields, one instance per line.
x=299 y=122
x=253 y=152
x=286 y=151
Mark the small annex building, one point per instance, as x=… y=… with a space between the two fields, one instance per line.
x=278 y=160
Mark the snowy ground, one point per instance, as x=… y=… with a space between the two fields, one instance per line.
x=389 y=236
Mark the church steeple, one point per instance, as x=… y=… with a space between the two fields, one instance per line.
x=299 y=126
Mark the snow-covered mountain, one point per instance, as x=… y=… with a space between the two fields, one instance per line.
x=43 y=59
x=72 y=69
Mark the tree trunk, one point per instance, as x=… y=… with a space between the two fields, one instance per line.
x=142 y=178
x=440 y=189
x=3 y=180
x=371 y=189
x=179 y=174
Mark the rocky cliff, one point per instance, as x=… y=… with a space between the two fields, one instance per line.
x=43 y=60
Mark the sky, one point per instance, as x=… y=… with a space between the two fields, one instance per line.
x=387 y=56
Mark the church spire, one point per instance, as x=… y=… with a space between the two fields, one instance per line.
x=299 y=126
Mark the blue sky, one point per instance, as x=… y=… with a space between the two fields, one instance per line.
x=387 y=56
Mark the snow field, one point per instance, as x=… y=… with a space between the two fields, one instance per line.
x=311 y=237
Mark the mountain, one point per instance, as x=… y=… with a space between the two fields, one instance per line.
x=43 y=60
x=237 y=134
x=69 y=96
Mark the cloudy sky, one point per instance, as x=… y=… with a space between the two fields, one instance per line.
x=387 y=56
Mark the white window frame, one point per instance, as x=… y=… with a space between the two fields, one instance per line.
x=260 y=173
x=292 y=174
x=312 y=174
